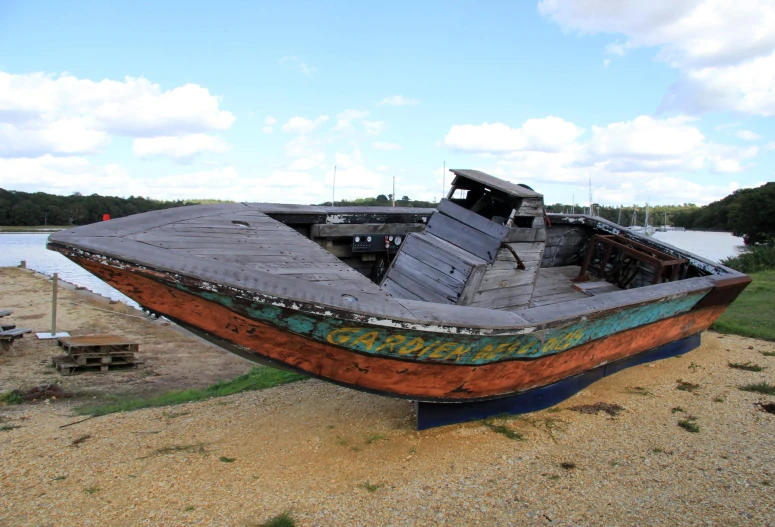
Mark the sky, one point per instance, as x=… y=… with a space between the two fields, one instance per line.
x=666 y=101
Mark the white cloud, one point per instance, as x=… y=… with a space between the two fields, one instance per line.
x=374 y=127
x=182 y=149
x=62 y=175
x=345 y=121
x=770 y=145
x=621 y=153
x=547 y=134
x=63 y=115
x=606 y=62
x=747 y=135
x=299 y=65
x=269 y=123
x=723 y=49
x=379 y=145
x=307 y=163
x=398 y=100
x=302 y=125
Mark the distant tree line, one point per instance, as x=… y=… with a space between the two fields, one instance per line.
x=39 y=208
x=628 y=216
x=749 y=213
x=382 y=201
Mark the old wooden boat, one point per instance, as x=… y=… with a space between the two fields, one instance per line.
x=484 y=297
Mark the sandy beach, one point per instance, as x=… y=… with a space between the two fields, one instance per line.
x=337 y=457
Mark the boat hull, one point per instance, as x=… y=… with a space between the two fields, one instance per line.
x=432 y=372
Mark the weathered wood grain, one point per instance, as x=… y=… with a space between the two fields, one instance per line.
x=463 y=236
x=473 y=220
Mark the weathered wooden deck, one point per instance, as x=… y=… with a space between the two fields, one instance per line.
x=554 y=286
x=253 y=240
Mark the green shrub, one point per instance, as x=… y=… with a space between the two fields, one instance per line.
x=755 y=259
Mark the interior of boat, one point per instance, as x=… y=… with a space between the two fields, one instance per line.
x=489 y=244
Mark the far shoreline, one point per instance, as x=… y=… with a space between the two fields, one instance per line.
x=16 y=229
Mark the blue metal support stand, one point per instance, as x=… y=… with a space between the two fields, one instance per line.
x=431 y=415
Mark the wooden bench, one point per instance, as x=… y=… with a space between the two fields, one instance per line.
x=8 y=337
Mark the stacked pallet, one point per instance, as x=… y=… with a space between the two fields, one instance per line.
x=103 y=352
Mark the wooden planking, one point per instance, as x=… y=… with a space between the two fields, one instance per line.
x=394 y=289
x=447 y=280
x=558 y=298
x=445 y=251
x=427 y=277
x=472 y=219
x=471 y=286
x=424 y=293
x=500 y=280
x=439 y=261
x=531 y=207
x=482 y=297
x=463 y=236
x=522 y=235
x=514 y=301
x=354 y=229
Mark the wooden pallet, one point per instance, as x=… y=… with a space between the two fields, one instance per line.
x=66 y=366
x=96 y=344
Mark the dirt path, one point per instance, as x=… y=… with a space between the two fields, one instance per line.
x=338 y=457
x=173 y=359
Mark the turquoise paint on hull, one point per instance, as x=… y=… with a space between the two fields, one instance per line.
x=459 y=349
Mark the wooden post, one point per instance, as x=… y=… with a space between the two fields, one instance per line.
x=54 y=306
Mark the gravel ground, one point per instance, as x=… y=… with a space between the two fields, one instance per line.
x=336 y=457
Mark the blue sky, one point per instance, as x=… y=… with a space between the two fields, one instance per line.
x=664 y=102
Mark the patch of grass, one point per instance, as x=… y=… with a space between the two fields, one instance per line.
x=258 y=378
x=639 y=390
x=283 y=520
x=198 y=448
x=657 y=450
x=745 y=366
x=567 y=465
x=768 y=353
x=554 y=477
x=6 y=428
x=718 y=399
x=677 y=409
x=10 y=397
x=614 y=463
x=189 y=508
x=554 y=409
x=686 y=386
x=224 y=459
x=373 y=438
x=752 y=314
x=689 y=424
x=60 y=478
x=767 y=482
x=412 y=450
x=92 y=490
x=371 y=487
x=759 y=387
x=503 y=430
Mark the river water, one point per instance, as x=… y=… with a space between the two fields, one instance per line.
x=31 y=247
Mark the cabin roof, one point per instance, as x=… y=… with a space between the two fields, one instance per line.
x=494 y=183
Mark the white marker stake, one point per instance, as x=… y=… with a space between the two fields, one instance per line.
x=53 y=334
